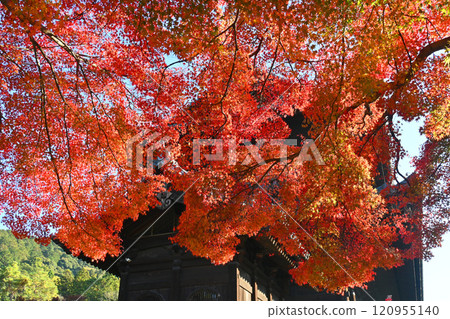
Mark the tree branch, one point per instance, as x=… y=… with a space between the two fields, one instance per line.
x=406 y=76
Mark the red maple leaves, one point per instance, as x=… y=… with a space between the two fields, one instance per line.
x=78 y=80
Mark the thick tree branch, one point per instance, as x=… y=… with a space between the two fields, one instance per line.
x=424 y=54
x=397 y=150
x=406 y=76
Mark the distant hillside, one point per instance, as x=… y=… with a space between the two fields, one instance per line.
x=29 y=271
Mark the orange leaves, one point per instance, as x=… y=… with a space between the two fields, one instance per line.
x=79 y=80
x=437 y=126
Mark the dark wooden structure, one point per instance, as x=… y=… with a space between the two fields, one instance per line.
x=403 y=283
x=157 y=269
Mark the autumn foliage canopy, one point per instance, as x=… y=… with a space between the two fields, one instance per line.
x=78 y=79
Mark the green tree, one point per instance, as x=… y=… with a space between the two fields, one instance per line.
x=106 y=288
x=64 y=282
x=29 y=271
x=41 y=286
x=13 y=283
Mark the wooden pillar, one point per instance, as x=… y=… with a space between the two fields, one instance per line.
x=233 y=287
x=124 y=269
x=270 y=288
x=254 y=283
x=175 y=291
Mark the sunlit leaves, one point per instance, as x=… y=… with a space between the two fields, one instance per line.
x=80 y=79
